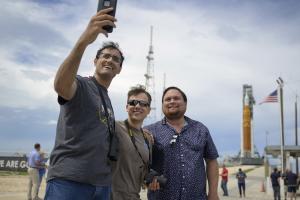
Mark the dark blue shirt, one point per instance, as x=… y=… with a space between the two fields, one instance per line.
x=291 y=179
x=181 y=162
x=241 y=176
x=274 y=178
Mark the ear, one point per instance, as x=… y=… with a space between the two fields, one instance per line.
x=95 y=61
x=127 y=108
x=148 y=110
x=119 y=70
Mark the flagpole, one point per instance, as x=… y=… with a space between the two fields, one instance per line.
x=280 y=88
x=296 y=134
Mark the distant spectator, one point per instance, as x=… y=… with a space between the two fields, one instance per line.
x=241 y=176
x=292 y=184
x=285 y=182
x=33 y=172
x=275 y=179
x=224 y=176
x=42 y=168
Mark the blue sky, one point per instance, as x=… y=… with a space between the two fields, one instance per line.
x=207 y=48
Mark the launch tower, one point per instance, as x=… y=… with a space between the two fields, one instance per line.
x=150 y=81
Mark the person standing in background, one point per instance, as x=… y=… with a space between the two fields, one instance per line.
x=292 y=184
x=241 y=178
x=224 y=180
x=275 y=180
x=34 y=163
x=285 y=183
x=42 y=168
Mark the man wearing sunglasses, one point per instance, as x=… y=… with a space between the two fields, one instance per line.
x=184 y=152
x=134 y=147
x=80 y=161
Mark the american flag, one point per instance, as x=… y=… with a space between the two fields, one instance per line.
x=271 y=98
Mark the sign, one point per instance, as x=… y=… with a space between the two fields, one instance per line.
x=13 y=163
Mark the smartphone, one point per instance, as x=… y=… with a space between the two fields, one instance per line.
x=103 y=4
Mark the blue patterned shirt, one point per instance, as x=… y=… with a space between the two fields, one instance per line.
x=181 y=162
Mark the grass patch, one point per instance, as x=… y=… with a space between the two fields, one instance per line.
x=248 y=170
x=12 y=173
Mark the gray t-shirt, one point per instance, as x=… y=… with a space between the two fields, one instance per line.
x=82 y=137
x=129 y=171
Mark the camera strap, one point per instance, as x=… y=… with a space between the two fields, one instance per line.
x=109 y=122
x=134 y=144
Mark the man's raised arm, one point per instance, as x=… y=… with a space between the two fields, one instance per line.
x=64 y=83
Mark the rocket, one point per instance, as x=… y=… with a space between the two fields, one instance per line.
x=247 y=127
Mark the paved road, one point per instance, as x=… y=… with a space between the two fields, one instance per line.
x=253 y=186
x=254 y=182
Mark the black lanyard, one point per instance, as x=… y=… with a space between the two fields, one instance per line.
x=134 y=144
x=110 y=123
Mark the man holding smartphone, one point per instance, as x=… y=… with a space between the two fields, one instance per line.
x=80 y=163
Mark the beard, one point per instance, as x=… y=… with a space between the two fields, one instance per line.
x=174 y=115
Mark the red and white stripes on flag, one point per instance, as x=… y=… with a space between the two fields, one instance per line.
x=273 y=97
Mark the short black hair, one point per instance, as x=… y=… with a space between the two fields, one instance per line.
x=37 y=146
x=138 y=90
x=174 y=88
x=110 y=45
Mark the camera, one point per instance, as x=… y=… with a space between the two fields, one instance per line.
x=113 y=148
x=154 y=174
x=103 y=4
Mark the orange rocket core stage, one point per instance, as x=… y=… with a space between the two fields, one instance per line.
x=246 y=129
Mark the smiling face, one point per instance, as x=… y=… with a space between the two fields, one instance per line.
x=173 y=105
x=108 y=65
x=137 y=113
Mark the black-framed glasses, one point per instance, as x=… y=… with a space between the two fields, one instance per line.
x=134 y=102
x=113 y=57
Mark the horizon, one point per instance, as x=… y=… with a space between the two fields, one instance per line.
x=207 y=49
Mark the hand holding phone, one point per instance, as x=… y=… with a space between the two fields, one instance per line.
x=103 y=4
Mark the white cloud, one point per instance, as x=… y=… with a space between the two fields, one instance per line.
x=208 y=49
x=21 y=90
x=52 y=122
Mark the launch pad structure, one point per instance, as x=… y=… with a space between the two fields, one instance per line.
x=248 y=154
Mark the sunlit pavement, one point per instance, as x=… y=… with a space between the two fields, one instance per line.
x=17 y=186
x=254 y=182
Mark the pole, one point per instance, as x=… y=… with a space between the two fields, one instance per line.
x=296 y=134
x=283 y=161
x=267 y=133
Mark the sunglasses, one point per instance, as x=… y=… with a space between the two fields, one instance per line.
x=136 y=102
